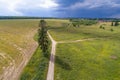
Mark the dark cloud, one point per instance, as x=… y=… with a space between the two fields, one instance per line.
x=88 y=8
x=61 y=8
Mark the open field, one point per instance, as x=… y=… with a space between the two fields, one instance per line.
x=88 y=60
x=97 y=59
x=82 y=53
x=16 y=46
x=83 y=32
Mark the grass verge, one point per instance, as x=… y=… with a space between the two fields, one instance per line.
x=37 y=67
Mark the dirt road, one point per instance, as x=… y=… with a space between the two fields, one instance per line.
x=50 y=75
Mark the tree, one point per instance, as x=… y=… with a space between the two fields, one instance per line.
x=116 y=23
x=103 y=27
x=112 y=24
x=43 y=38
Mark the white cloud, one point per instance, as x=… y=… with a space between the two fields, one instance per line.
x=9 y=7
x=12 y=7
x=48 y=4
x=95 y=4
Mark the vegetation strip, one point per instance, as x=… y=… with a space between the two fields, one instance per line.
x=37 y=67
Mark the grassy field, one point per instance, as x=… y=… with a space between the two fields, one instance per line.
x=88 y=60
x=97 y=59
x=72 y=33
x=16 y=40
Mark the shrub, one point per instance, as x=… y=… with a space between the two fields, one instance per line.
x=111 y=30
x=101 y=26
x=83 y=22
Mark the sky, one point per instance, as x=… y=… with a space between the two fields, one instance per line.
x=61 y=8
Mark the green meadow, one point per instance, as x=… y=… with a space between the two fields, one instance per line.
x=95 y=59
x=66 y=33
x=88 y=60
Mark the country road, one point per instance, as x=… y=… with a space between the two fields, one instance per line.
x=50 y=74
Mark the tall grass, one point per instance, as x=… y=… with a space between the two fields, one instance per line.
x=88 y=60
x=36 y=68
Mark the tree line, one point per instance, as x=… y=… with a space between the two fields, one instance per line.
x=115 y=23
x=77 y=22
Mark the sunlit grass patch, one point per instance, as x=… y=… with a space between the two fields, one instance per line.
x=88 y=60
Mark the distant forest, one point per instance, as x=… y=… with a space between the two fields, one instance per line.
x=23 y=17
x=27 y=17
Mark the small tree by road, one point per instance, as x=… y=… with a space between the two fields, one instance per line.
x=43 y=38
